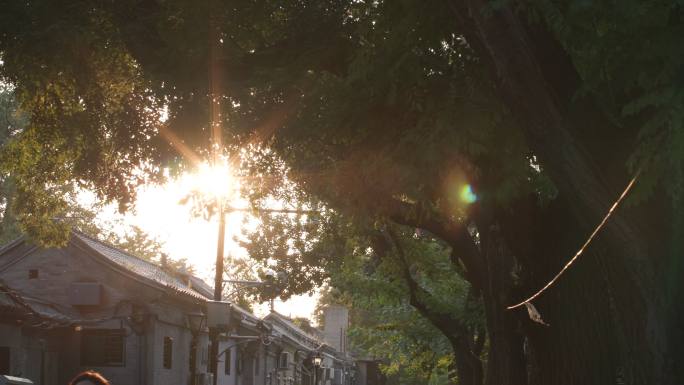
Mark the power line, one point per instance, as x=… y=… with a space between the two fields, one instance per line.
x=584 y=246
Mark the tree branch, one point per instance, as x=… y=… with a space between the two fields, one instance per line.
x=443 y=321
x=454 y=233
x=468 y=363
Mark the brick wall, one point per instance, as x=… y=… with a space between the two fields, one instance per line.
x=57 y=269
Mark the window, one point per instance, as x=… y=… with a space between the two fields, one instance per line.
x=193 y=357
x=228 y=363
x=4 y=360
x=103 y=347
x=33 y=274
x=238 y=362
x=168 y=352
x=283 y=360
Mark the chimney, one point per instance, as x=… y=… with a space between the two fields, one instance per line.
x=335 y=327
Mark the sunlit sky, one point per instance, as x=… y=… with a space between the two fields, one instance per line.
x=159 y=213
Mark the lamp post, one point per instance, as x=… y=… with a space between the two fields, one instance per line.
x=317 y=360
x=218 y=287
x=216 y=117
x=195 y=322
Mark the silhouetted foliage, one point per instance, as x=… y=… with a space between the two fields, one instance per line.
x=500 y=131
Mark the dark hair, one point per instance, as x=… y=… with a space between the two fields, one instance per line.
x=90 y=375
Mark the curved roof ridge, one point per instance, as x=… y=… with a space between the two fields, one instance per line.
x=12 y=244
x=137 y=265
x=110 y=245
x=288 y=323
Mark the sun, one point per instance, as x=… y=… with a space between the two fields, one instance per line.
x=185 y=235
x=215 y=181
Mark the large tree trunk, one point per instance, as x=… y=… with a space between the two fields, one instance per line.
x=506 y=363
x=468 y=365
x=579 y=345
x=582 y=180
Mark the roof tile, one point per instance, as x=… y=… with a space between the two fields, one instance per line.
x=143 y=268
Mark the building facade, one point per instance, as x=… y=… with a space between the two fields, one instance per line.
x=290 y=356
x=243 y=350
x=91 y=306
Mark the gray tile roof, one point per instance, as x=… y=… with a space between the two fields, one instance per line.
x=202 y=287
x=245 y=313
x=145 y=269
x=7 y=302
x=35 y=310
x=284 y=326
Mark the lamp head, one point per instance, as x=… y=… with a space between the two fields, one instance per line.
x=269 y=274
x=195 y=320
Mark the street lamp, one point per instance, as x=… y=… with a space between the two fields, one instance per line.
x=195 y=320
x=317 y=360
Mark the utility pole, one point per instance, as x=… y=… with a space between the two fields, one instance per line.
x=218 y=289
x=218 y=276
x=216 y=129
x=217 y=144
x=223 y=209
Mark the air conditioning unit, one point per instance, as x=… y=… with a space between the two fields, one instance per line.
x=218 y=315
x=84 y=294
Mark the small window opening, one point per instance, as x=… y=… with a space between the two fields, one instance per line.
x=168 y=352
x=4 y=360
x=33 y=274
x=284 y=360
x=103 y=347
x=228 y=363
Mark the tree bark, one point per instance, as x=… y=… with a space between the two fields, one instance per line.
x=506 y=363
x=579 y=346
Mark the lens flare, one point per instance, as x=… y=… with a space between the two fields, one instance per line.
x=467 y=195
x=215 y=180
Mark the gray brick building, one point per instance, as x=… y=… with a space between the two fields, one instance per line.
x=91 y=306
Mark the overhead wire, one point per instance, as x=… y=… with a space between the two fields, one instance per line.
x=581 y=249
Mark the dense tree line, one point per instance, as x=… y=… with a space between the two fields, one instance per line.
x=379 y=114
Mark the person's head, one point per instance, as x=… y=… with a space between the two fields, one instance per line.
x=89 y=377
